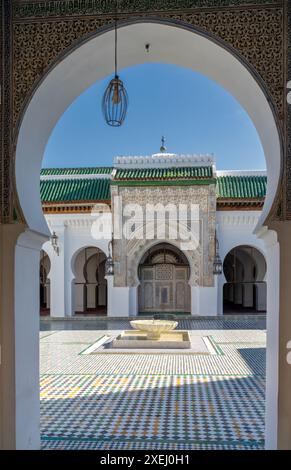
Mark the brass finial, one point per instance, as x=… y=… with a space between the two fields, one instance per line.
x=163 y=148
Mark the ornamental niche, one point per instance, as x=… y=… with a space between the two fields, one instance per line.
x=128 y=250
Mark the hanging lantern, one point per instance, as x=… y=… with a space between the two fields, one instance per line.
x=54 y=243
x=115 y=99
x=217 y=263
x=109 y=265
x=115 y=102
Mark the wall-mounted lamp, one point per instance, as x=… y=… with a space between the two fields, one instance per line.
x=54 y=242
x=109 y=265
x=217 y=263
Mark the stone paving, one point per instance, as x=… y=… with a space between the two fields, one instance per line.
x=153 y=401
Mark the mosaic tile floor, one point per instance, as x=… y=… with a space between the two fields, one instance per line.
x=147 y=401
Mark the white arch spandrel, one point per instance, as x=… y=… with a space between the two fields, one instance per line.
x=93 y=61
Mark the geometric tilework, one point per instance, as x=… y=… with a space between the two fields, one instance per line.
x=178 y=402
x=166 y=409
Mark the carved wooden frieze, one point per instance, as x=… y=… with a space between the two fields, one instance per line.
x=47 y=9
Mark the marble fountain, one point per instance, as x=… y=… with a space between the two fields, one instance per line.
x=152 y=334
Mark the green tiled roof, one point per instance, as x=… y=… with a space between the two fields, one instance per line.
x=238 y=187
x=154 y=174
x=105 y=170
x=72 y=190
x=98 y=189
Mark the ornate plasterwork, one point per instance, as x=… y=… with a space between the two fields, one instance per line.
x=287 y=175
x=235 y=219
x=127 y=252
x=257 y=34
x=44 y=31
x=6 y=200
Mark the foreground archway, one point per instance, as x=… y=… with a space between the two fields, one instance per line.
x=171 y=43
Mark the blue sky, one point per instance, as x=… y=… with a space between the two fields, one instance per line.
x=194 y=113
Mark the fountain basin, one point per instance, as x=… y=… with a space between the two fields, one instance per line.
x=154 y=328
x=139 y=340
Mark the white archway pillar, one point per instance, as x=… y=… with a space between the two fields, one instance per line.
x=133 y=301
x=220 y=284
x=204 y=300
x=26 y=324
x=272 y=349
x=118 y=299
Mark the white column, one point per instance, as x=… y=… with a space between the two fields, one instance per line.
x=133 y=301
x=57 y=276
x=261 y=294
x=272 y=352
x=194 y=300
x=118 y=299
x=220 y=283
x=27 y=256
x=238 y=294
x=91 y=295
x=248 y=296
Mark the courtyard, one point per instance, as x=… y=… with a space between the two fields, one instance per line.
x=177 y=401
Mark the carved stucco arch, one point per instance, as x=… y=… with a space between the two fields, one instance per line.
x=51 y=85
x=136 y=249
x=75 y=255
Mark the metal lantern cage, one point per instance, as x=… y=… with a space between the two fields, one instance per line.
x=109 y=264
x=217 y=263
x=115 y=102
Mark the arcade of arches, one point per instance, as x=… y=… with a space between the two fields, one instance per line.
x=90 y=290
x=245 y=272
x=33 y=69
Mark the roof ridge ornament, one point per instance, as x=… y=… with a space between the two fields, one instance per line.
x=163 y=148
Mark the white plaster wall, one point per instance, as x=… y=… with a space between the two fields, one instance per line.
x=204 y=300
x=74 y=231
x=118 y=299
x=235 y=228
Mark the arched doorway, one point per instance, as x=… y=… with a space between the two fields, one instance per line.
x=245 y=272
x=164 y=273
x=44 y=284
x=90 y=285
x=73 y=73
